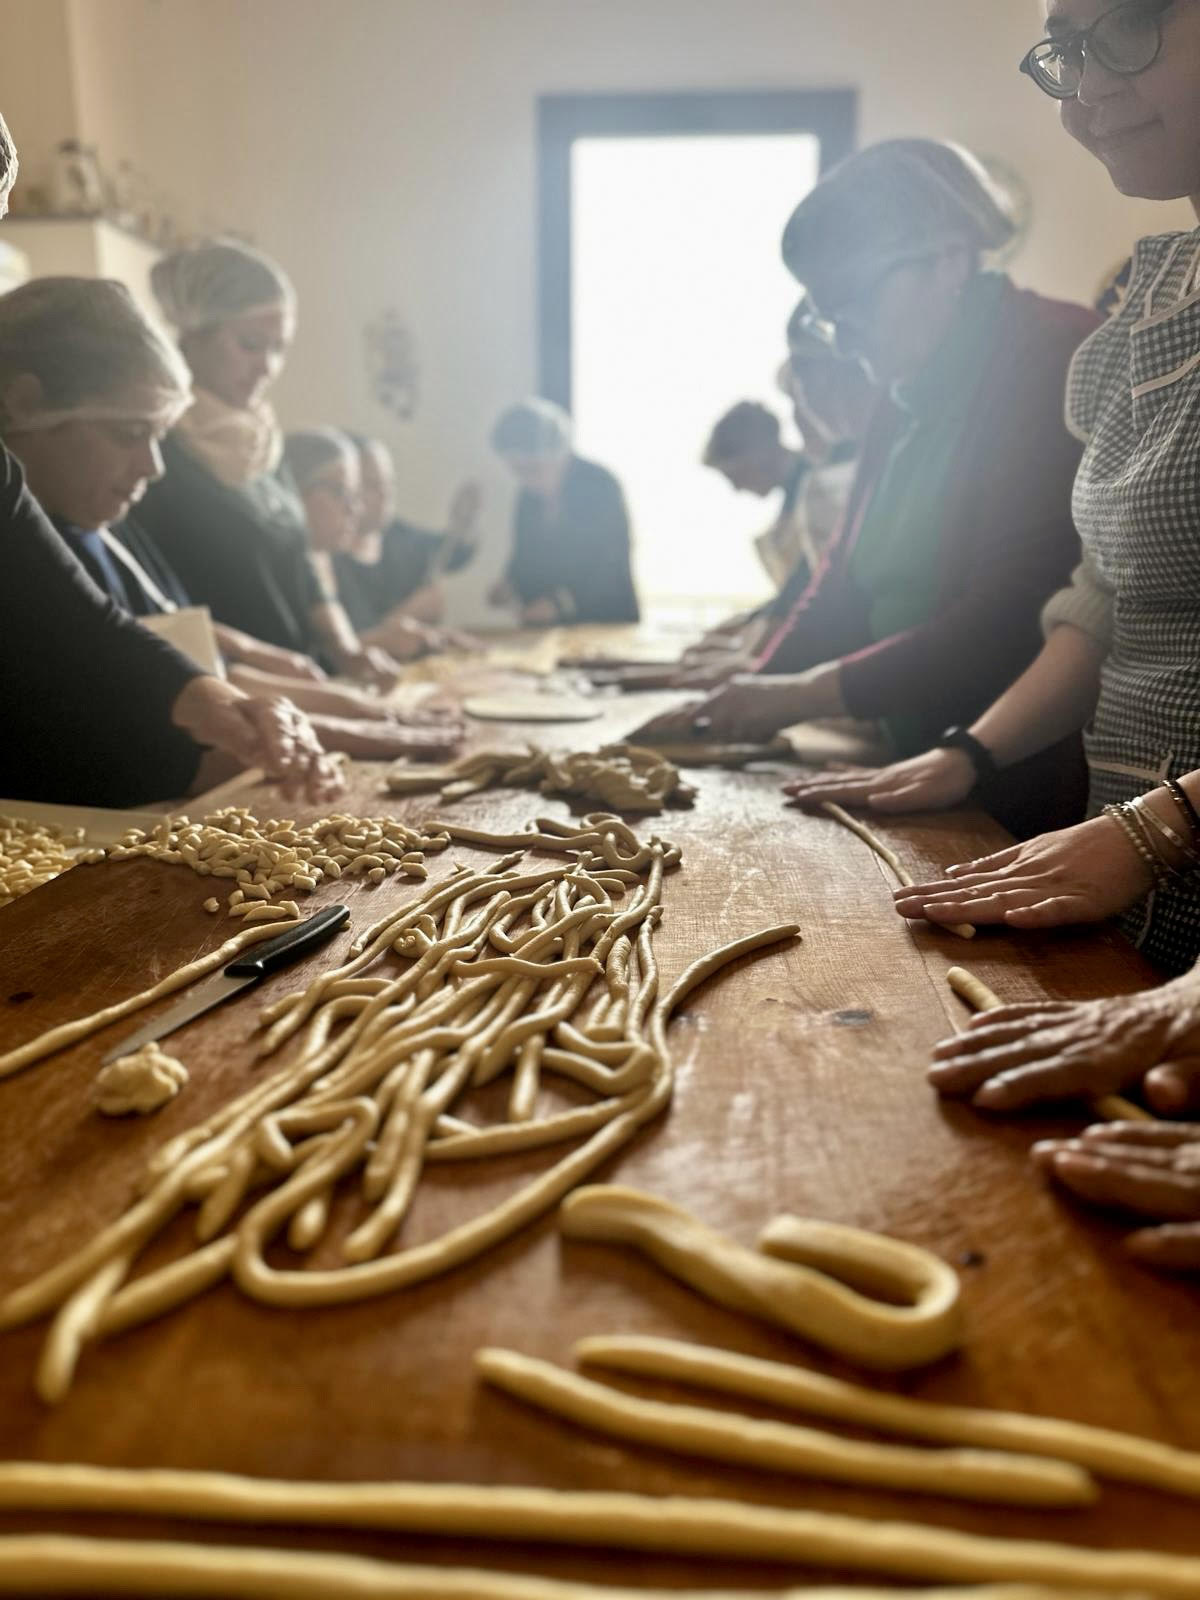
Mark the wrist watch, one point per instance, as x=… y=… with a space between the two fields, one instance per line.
x=980 y=756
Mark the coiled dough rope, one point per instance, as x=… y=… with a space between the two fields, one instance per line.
x=33 y=1564
x=1123 y=1457
x=490 y=962
x=800 y=1278
x=673 y=1525
x=767 y=1446
x=624 y=777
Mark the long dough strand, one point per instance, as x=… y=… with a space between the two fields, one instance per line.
x=69 y=1033
x=988 y=1476
x=1122 y=1457
x=1111 y=1107
x=964 y=930
x=674 y=1525
x=55 y=1564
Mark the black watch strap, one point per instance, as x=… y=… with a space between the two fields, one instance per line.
x=981 y=757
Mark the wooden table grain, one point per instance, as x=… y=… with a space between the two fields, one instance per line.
x=801 y=1087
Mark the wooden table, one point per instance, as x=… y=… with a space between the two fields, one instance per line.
x=800 y=1087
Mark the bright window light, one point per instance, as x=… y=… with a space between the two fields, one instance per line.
x=679 y=306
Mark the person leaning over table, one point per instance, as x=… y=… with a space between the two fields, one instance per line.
x=225 y=523
x=959 y=525
x=392 y=567
x=1121 y=659
x=746 y=447
x=570 y=558
x=95 y=710
x=117 y=386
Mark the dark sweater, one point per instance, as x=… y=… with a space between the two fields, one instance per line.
x=409 y=559
x=85 y=692
x=578 y=554
x=1008 y=542
x=243 y=553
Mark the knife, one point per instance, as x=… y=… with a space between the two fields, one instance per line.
x=256 y=964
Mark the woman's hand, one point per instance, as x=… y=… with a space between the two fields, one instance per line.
x=1151 y=1169
x=750 y=709
x=374 y=665
x=270 y=659
x=1081 y=874
x=1023 y=1055
x=934 y=781
x=387 y=741
x=259 y=732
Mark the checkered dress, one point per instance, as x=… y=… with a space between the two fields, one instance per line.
x=1134 y=399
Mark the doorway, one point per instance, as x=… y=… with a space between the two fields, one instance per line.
x=664 y=301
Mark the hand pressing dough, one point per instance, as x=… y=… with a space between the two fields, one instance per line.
x=1122 y=1457
x=531 y=708
x=58 y=1564
x=808 y=1291
x=988 y=1476
x=1112 y=1107
x=139 y=1083
x=674 y=1525
x=964 y=930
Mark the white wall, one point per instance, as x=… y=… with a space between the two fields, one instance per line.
x=384 y=149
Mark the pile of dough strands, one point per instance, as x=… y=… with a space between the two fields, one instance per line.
x=623 y=777
x=522 y=970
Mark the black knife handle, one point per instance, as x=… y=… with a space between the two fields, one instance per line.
x=290 y=945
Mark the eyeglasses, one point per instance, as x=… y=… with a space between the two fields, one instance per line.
x=1126 y=40
x=862 y=288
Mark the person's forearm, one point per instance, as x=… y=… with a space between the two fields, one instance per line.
x=1053 y=698
x=336 y=631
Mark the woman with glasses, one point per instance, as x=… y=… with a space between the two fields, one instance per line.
x=221 y=518
x=1121 y=660
x=958 y=526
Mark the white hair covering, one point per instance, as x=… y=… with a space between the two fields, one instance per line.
x=895 y=197
x=215 y=282
x=309 y=451
x=95 y=355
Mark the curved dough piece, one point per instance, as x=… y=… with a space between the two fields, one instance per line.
x=988 y=1476
x=1122 y=1457
x=531 y=708
x=33 y=1564
x=807 y=1291
x=674 y=1525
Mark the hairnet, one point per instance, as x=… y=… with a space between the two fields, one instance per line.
x=94 y=354
x=217 y=281
x=532 y=427
x=894 y=198
x=309 y=451
x=8 y=164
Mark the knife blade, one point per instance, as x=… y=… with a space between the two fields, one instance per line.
x=258 y=963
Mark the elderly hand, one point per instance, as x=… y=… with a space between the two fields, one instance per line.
x=375 y=666
x=259 y=732
x=1021 y=1055
x=1151 y=1169
x=933 y=781
x=1081 y=874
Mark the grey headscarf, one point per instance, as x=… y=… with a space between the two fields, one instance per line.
x=93 y=352
x=894 y=198
x=215 y=282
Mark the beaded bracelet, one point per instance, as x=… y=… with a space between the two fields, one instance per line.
x=1179 y=794
x=1147 y=813
x=1123 y=815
